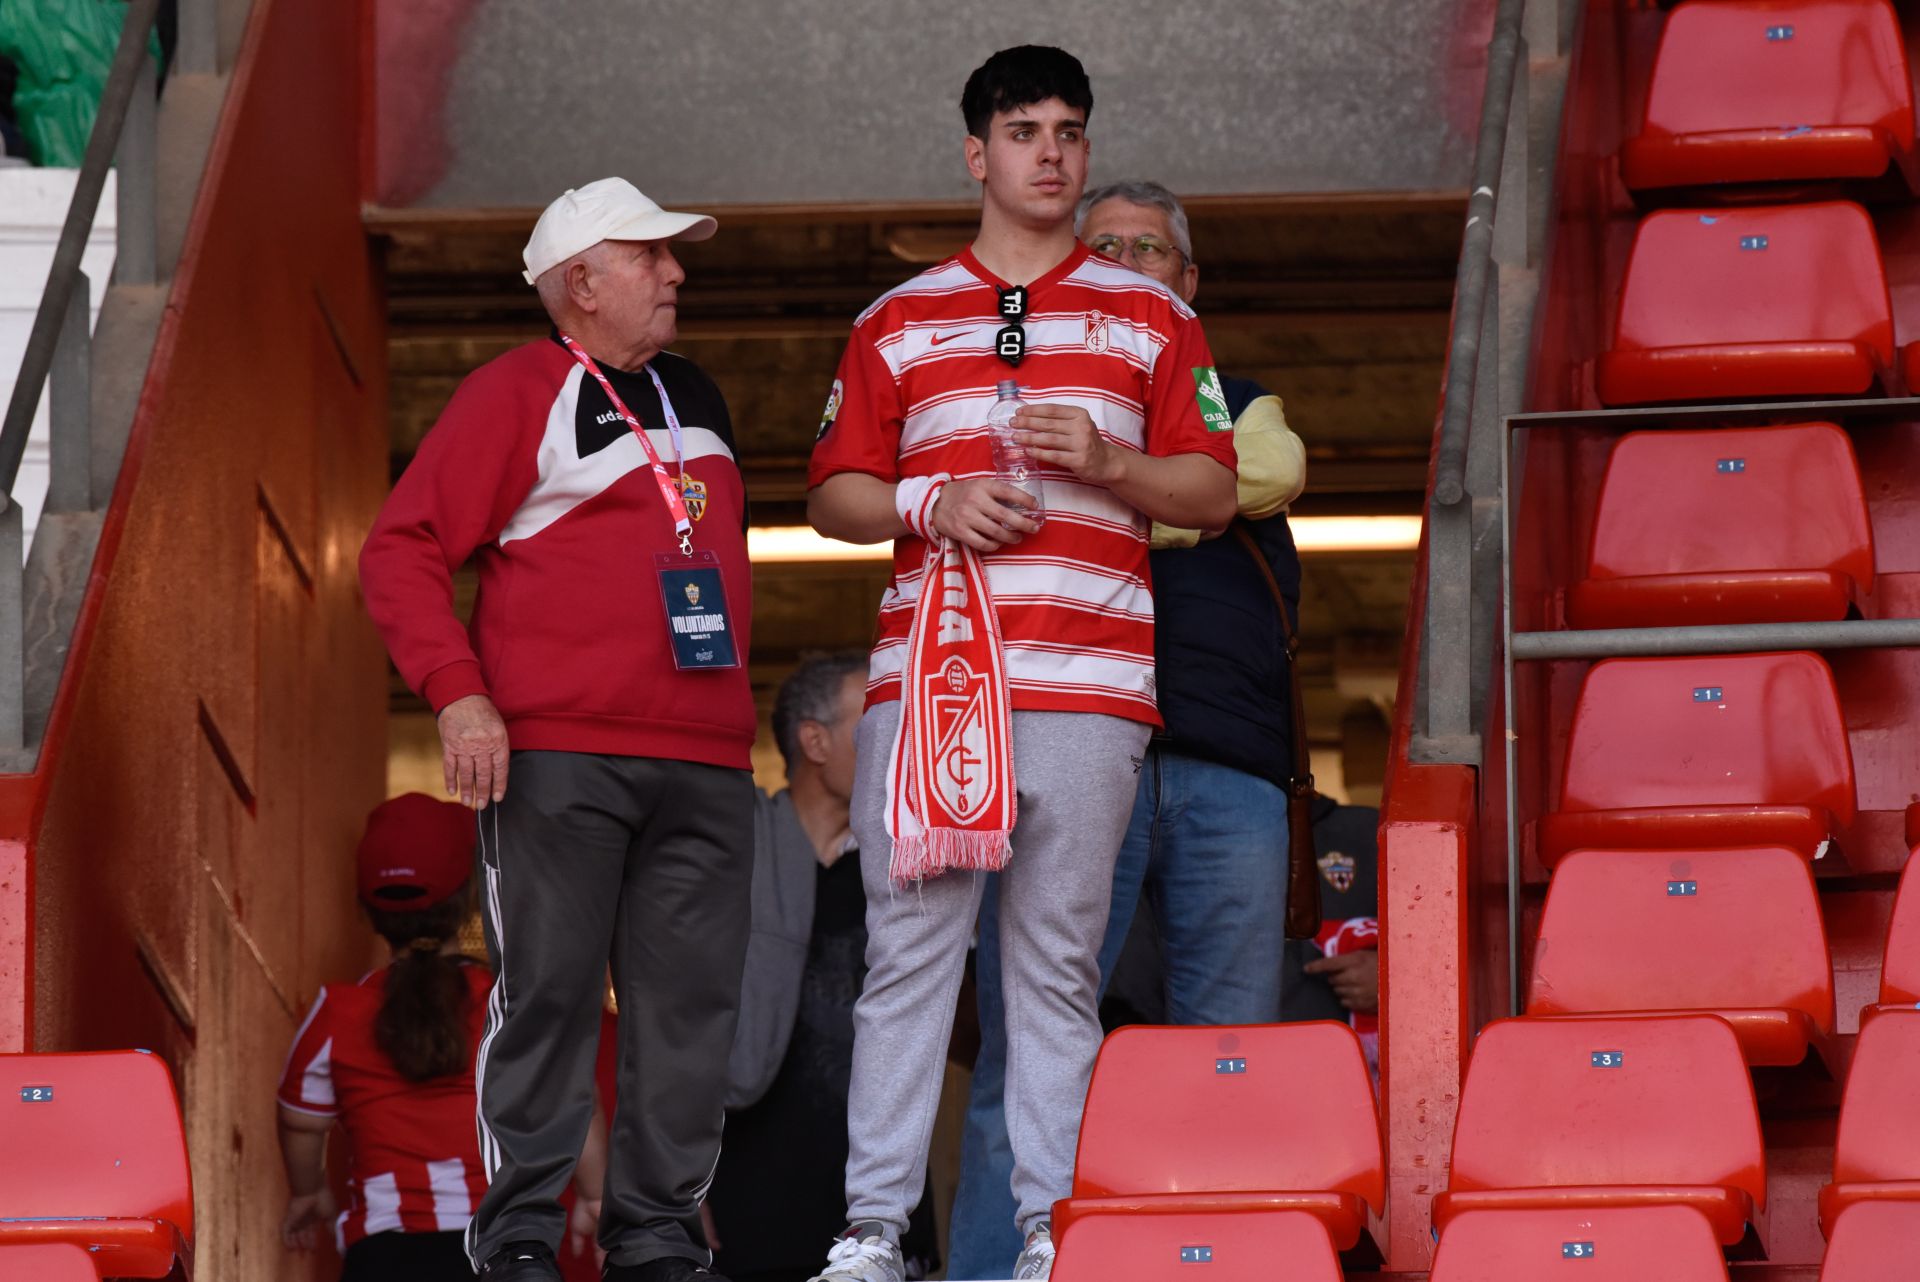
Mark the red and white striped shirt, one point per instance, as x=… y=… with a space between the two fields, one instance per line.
x=911 y=399
x=415 y=1152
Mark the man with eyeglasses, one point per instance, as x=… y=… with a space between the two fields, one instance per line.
x=1208 y=838
x=1011 y=692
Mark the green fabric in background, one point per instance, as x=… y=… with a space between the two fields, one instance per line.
x=63 y=49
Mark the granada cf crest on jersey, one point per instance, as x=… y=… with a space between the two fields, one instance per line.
x=1098 y=340
x=1338 y=870
x=958 y=696
x=694 y=494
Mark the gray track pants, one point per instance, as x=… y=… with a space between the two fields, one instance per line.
x=1077 y=774
x=645 y=863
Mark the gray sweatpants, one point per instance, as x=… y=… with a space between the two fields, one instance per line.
x=1076 y=774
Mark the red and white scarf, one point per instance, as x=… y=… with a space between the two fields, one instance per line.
x=950 y=789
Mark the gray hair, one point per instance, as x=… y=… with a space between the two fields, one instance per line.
x=1139 y=192
x=551 y=284
x=811 y=692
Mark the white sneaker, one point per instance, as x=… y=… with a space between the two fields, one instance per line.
x=1036 y=1261
x=864 y=1259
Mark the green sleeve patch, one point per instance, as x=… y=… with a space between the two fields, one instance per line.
x=1213 y=399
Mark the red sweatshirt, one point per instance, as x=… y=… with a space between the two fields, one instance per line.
x=532 y=473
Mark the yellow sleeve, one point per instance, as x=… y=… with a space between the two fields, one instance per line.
x=1273 y=460
x=1272 y=469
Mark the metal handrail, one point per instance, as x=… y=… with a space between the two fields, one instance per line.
x=64 y=277
x=1473 y=277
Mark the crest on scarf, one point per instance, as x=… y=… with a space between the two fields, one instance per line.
x=958 y=696
x=1098 y=339
x=694 y=494
x=1338 y=870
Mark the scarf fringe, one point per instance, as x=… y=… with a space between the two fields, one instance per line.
x=937 y=850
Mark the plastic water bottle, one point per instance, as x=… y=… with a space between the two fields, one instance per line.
x=1011 y=461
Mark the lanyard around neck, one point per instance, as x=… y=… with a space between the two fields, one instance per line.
x=676 y=505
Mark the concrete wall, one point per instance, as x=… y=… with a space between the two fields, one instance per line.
x=509 y=102
x=219 y=733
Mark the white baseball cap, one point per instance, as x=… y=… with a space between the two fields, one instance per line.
x=610 y=209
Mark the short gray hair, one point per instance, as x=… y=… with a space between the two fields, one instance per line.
x=551 y=284
x=811 y=692
x=1139 y=192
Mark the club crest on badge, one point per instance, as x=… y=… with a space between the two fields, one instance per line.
x=1338 y=870
x=958 y=696
x=693 y=594
x=694 y=494
x=1097 y=336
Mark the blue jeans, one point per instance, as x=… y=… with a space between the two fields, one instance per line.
x=1208 y=845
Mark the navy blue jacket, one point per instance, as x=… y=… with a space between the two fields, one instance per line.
x=1220 y=658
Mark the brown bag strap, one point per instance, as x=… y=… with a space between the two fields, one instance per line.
x=1302 y=779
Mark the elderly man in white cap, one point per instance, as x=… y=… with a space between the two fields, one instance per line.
x=596 y=716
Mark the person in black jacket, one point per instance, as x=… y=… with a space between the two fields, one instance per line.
x=1207 y=846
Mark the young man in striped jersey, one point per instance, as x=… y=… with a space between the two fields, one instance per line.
x=1011 y=691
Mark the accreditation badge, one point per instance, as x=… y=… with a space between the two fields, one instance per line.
x=697 y=621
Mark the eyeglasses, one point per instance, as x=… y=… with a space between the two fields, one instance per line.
x=1148 y=251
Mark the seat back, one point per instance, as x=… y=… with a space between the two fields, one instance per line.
x=1234 y=1246
x=1699 y=502
x=1756 y=64
x=1660 y=1100
x=1720 y=730
x=1900 y=975
x=93 y=1136
x=1879 y=1135
x=1756 y=274
x=1872 y=1242
x=1678 y=930
x=46 y=1262
x=1585 y=1244
x=1246 y=1108
x=1747 y=303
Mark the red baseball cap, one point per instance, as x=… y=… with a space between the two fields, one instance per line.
x=418 y=851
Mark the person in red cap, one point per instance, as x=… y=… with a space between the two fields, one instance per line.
x=391 y=1058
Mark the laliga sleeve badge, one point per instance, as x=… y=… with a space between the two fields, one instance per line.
x=832 y=412
x=698 y=625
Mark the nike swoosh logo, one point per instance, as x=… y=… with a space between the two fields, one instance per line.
x=941 y=338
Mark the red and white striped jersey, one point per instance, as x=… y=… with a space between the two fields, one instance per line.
x=415 y=1151
x=911 y=399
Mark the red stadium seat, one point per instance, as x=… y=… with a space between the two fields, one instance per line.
x=1764 y=90
x=1735 y=933
x=1687 y=754
x=52 y=1262
x=95 y=1156
x=1688 y=530
x=1748 y=303
x=1900 y=974
x=1876 y=1157
x=1873 y=1242
x=1587 y=1244
x=1273 y=1117
x=1565 y=1113
x=1237 y=1246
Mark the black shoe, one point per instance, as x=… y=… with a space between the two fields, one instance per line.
x=667 y=1269
x=521 y=1262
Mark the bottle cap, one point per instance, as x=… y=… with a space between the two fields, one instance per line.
x=1007 y=387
